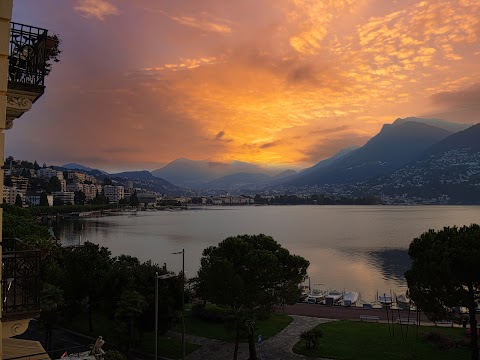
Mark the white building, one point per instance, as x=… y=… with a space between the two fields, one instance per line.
x=67 y=197
x=33 y=199
x=10 y=194
x=90 y=190
x=47 y=173
x=114 y=193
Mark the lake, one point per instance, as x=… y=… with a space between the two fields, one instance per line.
x=356 y=248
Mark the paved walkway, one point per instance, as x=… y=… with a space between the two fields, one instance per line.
x=278 y=347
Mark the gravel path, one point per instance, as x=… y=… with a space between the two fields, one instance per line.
x=278 y=347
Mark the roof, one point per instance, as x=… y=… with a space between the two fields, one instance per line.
x=23 y=349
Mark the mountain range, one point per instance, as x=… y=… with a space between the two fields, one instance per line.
x=203 y=174
x=389 y=164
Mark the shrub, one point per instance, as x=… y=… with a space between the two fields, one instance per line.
x=311 y=338
x=441 y=341
x=209 y=315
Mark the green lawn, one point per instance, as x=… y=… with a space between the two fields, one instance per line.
x=267 y=328
x=371 y=341
x=167 y=347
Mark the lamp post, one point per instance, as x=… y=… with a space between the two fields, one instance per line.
x=183 y=300
x=165 y=276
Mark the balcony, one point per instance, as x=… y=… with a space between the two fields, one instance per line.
x=20 y=281
x=29 y=52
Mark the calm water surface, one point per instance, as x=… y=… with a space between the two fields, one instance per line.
x=357 y=248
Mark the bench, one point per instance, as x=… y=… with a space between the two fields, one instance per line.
x=444 y=322
x=369 y=318
x=406 y=321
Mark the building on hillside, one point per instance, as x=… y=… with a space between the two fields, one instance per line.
x=47 y=173
x=24 y=51
x=75 y=187
x=63 y=184
x=147 y=198
x=76 y=176
x=20 y=182
x=67 y=197
x=10 y=194
x=90 y=190
x=114 y=193
x=32 y=198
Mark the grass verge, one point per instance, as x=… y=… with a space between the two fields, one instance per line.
x=359 y=340
x=267 y=328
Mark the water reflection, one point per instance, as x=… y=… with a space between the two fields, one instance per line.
x=391 y=263
x=355 y=248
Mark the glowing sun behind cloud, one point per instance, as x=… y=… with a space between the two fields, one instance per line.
x=285 y=82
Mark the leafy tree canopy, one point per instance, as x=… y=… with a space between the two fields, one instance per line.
x=250 y=272
x=18 y=201
x=444 y=273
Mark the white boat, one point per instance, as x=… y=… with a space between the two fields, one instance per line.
x=403 y=301
x=350 y=298
x=316 y=296
x=304 y=292
x=333 y=297
x=385 y=299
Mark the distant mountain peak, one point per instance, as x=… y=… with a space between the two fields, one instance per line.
x=439 y=123
x=75 y=166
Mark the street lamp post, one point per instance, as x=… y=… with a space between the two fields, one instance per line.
x=165 y=276
x=183 y=300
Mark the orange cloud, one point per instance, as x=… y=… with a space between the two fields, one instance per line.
x=258 y=81
x=96 y=8
x=204 y=22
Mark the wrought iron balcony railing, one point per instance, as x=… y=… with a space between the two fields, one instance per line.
x=20 y=279
x=29 y=48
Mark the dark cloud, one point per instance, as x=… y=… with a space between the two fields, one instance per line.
x=330 y=146
x=219 y=135
x=465 y=97
x=330 y=130
x=271 y=144
x=458 y=106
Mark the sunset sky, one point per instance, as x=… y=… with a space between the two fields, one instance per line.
x=272 y=82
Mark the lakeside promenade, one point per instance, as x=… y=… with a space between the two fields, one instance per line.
x=353 y=313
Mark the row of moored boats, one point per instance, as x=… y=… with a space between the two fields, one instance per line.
x=350 y=298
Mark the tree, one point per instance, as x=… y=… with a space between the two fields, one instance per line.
x=57 y=202
x=444 y=274
x=79 y=197
x=86 y=268
x=107 y=181
x=36 y=166
x=100 y=199
x=130 y=306
x=53 y=52
x=18 y=201
x=44 y=199
x=51 y=298
x=26 y=173
x=134 y=199
x=247 y=274
x=8 y=181
x=54 y=184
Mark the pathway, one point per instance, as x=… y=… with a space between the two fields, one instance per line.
x=278 y=347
